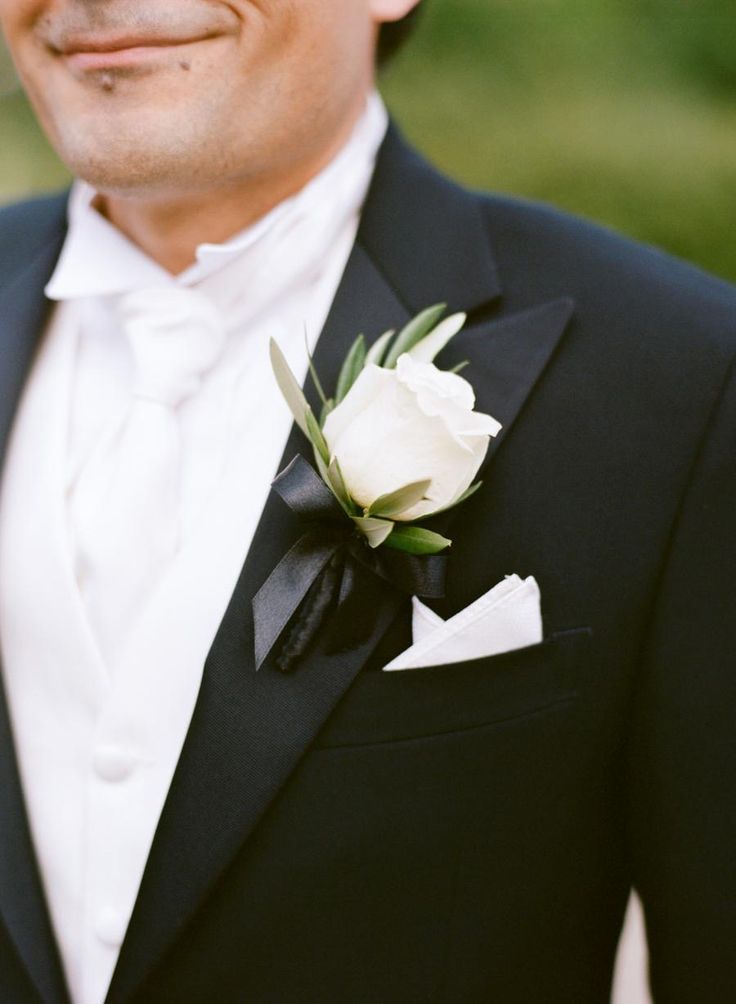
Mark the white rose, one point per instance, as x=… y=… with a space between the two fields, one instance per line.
x=413 y=423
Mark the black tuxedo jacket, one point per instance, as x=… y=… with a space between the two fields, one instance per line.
x=467 y=833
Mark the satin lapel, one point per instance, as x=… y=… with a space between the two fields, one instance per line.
x=23 y=309
x=506 y=360
x=250 y=729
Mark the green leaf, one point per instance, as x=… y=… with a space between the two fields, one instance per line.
x=399 y=501
x=376 y=531
x=316 y=436
x=417 y=540
x=336 y=482
x=313 y=371
x=327 y=407
x=414 y=332
x=289 y=387
x=324 y=473
x=323 y=470
x=432 y=344
x=377 y=351
x=468 y=493
x=461 y=498
x=352 y=366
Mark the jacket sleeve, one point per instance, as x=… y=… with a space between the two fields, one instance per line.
x=682 y=753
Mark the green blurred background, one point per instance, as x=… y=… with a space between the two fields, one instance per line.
x=620 y=110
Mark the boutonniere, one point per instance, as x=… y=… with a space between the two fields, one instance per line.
x=396 y=443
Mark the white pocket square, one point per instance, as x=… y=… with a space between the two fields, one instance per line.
x=506 y=618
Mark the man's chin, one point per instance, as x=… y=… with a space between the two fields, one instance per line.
x=128 y=154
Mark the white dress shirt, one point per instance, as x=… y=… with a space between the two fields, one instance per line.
x=98 y=740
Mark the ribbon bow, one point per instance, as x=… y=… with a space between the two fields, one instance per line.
x=321 y=573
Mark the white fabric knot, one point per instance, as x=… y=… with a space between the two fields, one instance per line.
x=177 y=335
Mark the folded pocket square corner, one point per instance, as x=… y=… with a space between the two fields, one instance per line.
x=507 y=617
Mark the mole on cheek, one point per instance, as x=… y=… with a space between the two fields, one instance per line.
x=185 y=65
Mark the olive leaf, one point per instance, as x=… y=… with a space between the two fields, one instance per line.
x=316 y=436
x=394 y=503
x=432 y=344
x=376 y=531
x=417 y=540
x=414 y=332
x=323 y=471
x=336 y=481
x=354 y=362
x=468 y=493
x=377 y=351
x=327 y=408
x=313 y=372
x=289 y=387
x=322 y=468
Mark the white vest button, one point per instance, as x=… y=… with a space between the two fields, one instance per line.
x=112 y=764
x=110 y=927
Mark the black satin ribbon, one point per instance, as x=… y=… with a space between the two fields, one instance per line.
x=322 y=572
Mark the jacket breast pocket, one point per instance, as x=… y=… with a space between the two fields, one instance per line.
x=409 y=704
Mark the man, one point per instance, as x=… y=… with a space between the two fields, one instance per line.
x=178 y=827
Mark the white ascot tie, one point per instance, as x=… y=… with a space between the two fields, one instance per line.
x=124 y=504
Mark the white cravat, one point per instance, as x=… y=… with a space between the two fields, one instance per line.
x=126 y=499
x=98 y=738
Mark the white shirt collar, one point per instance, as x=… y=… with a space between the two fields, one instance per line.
x=97 y=259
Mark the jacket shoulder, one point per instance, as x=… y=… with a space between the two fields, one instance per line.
x=27 y=228
x=609 y=275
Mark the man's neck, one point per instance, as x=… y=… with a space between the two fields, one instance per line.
x=170 y=227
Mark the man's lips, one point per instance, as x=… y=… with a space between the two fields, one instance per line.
x=89 y=54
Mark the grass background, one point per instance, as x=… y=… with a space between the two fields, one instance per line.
x=620 y=110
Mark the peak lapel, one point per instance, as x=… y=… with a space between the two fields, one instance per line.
x=23 y=309
x=507 y=358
